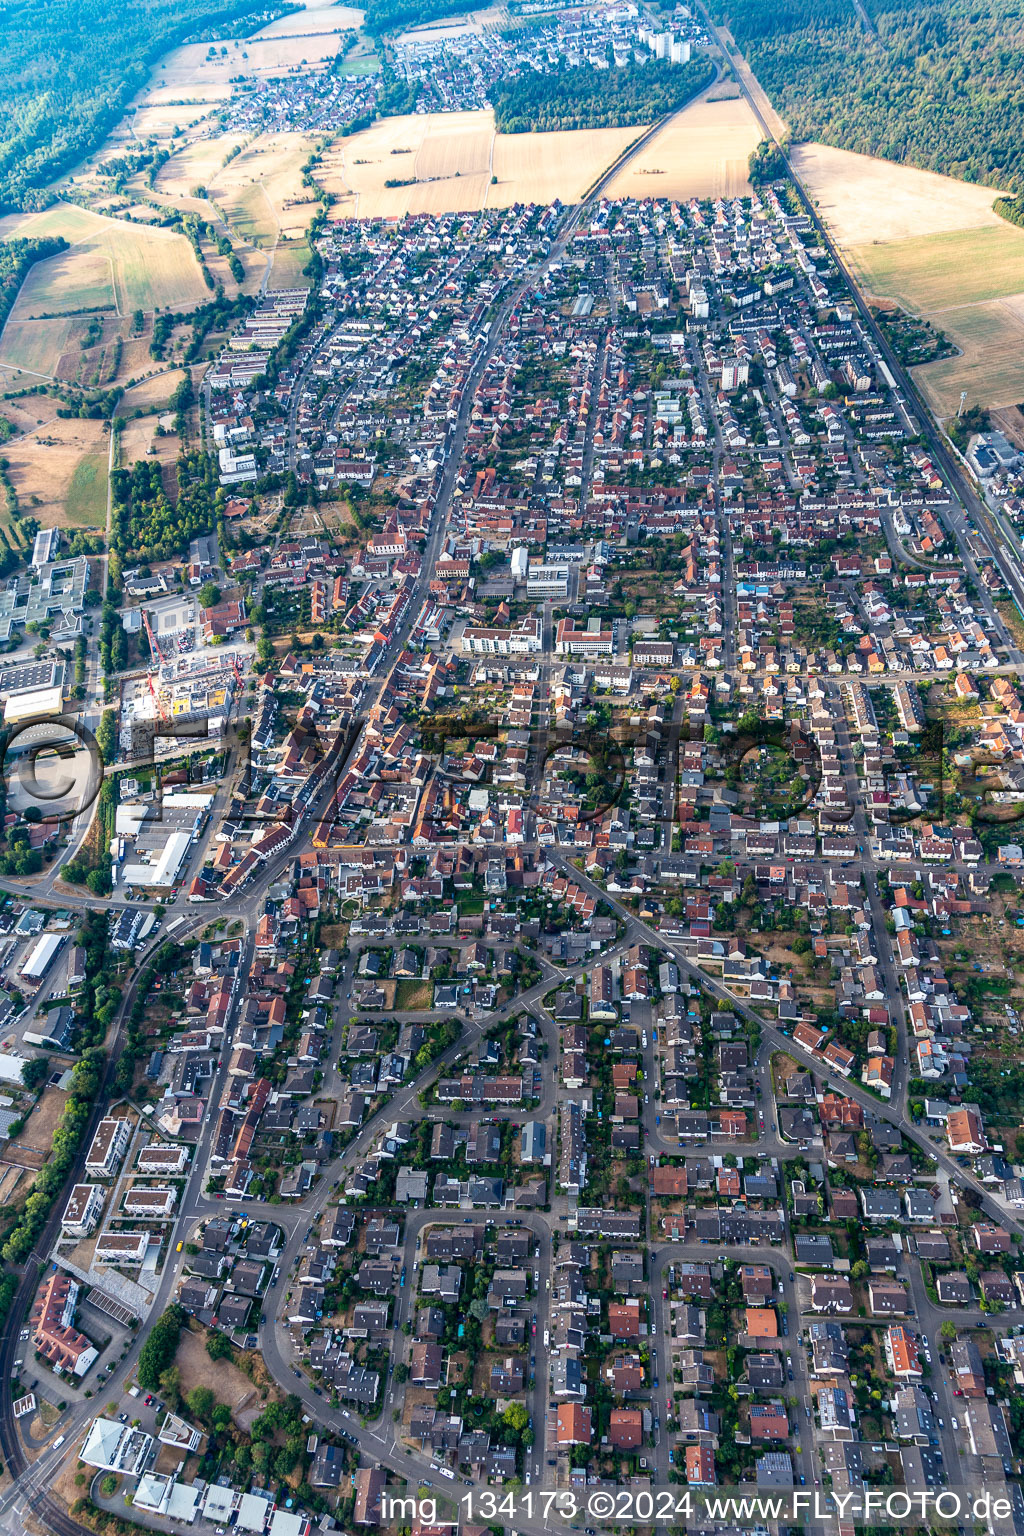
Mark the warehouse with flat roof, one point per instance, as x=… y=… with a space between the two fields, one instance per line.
x=44 y=952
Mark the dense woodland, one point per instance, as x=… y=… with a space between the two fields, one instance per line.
x=597 y=98
x=388 y=15
x=70 y=67
x=941 y=85
x=146 y=524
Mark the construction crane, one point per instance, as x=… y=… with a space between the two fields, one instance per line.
x=154 y=648
x=154 y=651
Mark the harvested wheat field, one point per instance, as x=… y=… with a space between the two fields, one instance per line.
x=970 y=284
x=486 y=20
x=861 y=199
x=936 y=271
x=1011 y=421
x=60 y=473
x=315 y=18
x=462 y=152
x=160 y=119
x=260 y=191
x=160 y=93
x=991 y=367
x=538 y=167
x=189 y=70
x=702 y=152
x=456 y=143
x=196 y=165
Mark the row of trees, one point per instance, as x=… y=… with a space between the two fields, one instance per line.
x=939 y=86
x=597 y=98
x=16 y=257
x=85 y=1082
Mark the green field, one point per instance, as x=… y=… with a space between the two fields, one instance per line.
x=361 y=61
x=66 y=284
x=290 y=256
x=38 y=345
x=937 y=271
x=133 y=266
x=86 y=504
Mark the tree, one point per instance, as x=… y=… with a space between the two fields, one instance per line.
x=106 y=736
x=34 y=1072
x=218 y=1347
x=515 y=1418
x=209 y=594
x=200 y=1401
x=170 y=1385
x=156 y=1358
x=948 y=1330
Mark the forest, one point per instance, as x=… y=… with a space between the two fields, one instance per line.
x=597 y=98
x=69 y=69
x=941 y=86
x=389 y=15
x=146 y=524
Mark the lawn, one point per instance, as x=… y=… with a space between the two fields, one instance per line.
x=289 y=259
x=86 y=504
x=412 y=996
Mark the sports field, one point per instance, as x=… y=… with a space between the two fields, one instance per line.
x=702 y=152
x=863 y=200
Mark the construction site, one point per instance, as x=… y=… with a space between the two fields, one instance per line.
x=183 y=697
